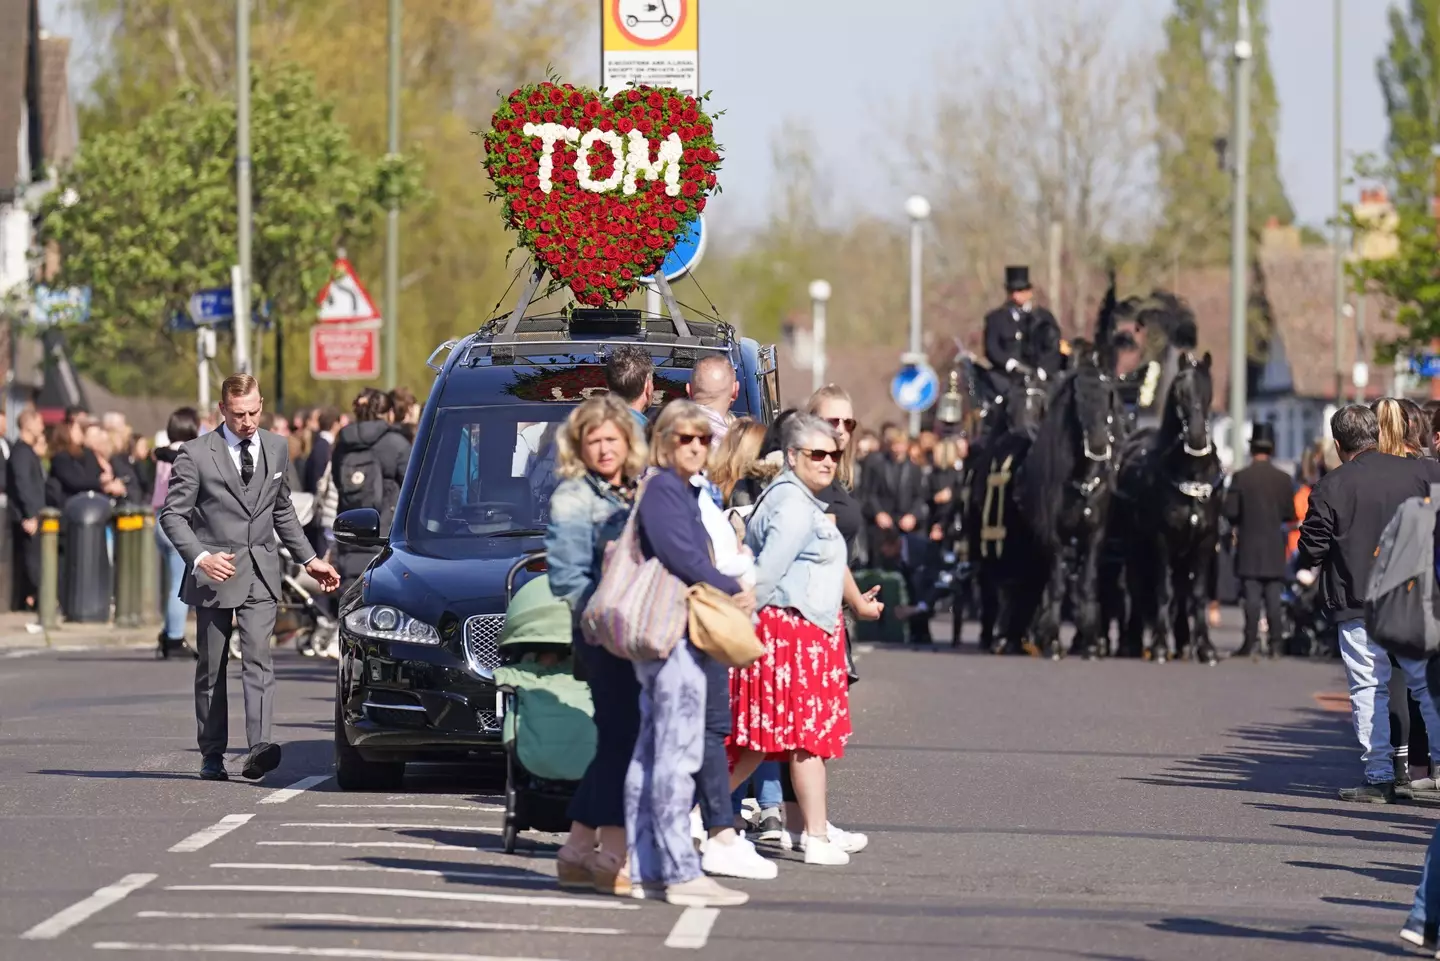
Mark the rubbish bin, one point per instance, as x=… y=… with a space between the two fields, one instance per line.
x=85 y=579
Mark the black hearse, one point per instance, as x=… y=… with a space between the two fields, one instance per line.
x=418 y=631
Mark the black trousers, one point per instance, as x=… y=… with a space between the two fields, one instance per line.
x=599 y=801
x=27 y=567
x=1253 y=590
x=712 y=781
x=1407 y=726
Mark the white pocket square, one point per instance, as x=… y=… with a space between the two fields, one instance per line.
x=277 y=474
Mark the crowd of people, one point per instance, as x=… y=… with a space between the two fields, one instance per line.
x=80 y=453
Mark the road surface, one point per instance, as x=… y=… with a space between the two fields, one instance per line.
x=1016 y=808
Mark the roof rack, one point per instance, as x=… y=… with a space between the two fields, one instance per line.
x=598 y=328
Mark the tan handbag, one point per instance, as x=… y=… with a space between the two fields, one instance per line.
x=721 y=629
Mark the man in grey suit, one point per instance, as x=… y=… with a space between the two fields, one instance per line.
x=228 y=499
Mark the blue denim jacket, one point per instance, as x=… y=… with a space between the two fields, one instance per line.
x=585 y=516
x=799 y=554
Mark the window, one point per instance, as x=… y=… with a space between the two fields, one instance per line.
x=487 y=471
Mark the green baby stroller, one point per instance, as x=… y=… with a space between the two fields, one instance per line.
x=548 y=730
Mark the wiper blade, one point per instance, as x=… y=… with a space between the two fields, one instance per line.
x=521 y=532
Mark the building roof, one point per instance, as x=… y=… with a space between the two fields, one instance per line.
x=1300 y=286
x=17 y=19
x=59 y=127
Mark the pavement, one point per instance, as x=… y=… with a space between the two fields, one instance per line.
x=22 y=631
x=1017 y=808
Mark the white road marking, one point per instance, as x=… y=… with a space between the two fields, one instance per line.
x=460 y=875
x=530 y=900
x=390 y=825
x=407 y=845
x=60 y=923
x=497 y=808
x=23 y=652
x=294 y=790
x=214 y=832
x=692 y=928
x=296 y=951
x=368 y=920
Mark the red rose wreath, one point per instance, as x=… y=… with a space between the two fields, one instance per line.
x=599 y=189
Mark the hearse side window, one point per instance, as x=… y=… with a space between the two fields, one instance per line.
x=487 y=470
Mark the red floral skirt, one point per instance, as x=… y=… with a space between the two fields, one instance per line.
x=796 y=696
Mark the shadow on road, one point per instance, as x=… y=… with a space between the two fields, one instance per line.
x=1406 y=875
x=1273 y=759
x=1320 y=935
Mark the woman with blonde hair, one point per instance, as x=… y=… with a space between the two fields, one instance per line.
x=1394 y=427
x=599 y=456
x=735 y=457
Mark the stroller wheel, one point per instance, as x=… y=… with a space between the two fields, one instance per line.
x=509 y=837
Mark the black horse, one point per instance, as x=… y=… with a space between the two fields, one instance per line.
x=998 y=552
x=1065 y=488
x=1168 y=506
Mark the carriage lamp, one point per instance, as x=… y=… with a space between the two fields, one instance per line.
x=951 y=408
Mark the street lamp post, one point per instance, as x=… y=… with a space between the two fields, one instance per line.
x=819 y=295
x=391 y=350
x=1239 y=238
x=240 y=281
x=1339 y=208
x=918 y=209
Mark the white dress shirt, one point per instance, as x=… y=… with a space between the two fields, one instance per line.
x=232 y=447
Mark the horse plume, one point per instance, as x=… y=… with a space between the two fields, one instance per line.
x=1173 y=316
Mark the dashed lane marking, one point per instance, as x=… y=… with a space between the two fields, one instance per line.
x=213 y=833
x=1337 y=702
x=294 y=790
x=476 y=897
x=58 y=924
x=296 y=951
x=457 y=875
x=370 y=920
x=692 y=928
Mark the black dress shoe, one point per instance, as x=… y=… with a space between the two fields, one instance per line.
x=262 y=759
x=213 y=768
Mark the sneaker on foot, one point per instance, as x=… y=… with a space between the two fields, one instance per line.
x=825 y=851
x=697 y=830
x=738 y=859
x=851 y=842
x=1419 y=934
x=1382 y=793
x=770 y=827
x=703 y=892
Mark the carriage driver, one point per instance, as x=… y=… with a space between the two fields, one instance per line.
x=1020 y=336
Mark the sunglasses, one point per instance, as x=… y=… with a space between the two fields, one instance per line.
x=683 y=440
x=819 y=455
x=849 y=423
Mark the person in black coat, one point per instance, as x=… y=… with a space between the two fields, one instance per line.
x=1019 y=335
x=25 y=486
x=375 y=438
x=1261 y=506
x=893 y=499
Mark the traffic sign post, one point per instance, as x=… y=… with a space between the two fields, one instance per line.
x=686 y=255
x=347 y=352
x=916 y=386
x=69 y=305
x=345 y=300
x=650 y=42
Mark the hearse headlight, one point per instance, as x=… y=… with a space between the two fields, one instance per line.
x=379 y=622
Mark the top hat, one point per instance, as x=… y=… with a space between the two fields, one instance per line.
x=1017 y=278
x=1262 y=438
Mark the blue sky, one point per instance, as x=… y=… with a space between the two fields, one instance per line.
x=846 y=63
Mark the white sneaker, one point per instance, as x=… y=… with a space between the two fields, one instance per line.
x=738 y=859
x=851 y=842
x=697 y=830
x=824 y=851
x=703 y=892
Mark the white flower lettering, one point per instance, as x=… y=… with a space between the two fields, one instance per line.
x=612 y=140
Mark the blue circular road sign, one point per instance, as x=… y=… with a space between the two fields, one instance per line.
x=687 y=252
x=916 y=387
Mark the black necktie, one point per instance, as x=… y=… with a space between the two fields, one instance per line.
x=247 y=463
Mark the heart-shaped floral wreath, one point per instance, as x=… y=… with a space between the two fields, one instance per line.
x=599 y=189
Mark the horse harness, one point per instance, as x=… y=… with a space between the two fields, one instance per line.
x=992 y=513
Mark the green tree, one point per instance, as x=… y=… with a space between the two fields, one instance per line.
x=1192 y=106
x=1409 y=75
x=146 y=216
x=457 y=55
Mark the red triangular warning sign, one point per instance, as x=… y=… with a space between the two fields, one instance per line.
x=345 y=300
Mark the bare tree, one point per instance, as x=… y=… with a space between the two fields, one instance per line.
x=1051 y=125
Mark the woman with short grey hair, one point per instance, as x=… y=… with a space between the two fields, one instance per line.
x=793 y=704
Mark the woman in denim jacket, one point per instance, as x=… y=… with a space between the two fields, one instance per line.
x=793 y=703
x=600 y=455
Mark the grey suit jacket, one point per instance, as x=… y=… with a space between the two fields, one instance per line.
x=208 y=509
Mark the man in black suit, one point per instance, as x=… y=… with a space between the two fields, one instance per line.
x=25 y=486
x=1020 y=336
x=1261 y=506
